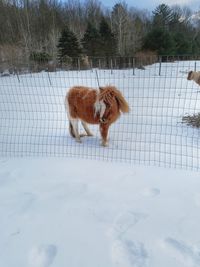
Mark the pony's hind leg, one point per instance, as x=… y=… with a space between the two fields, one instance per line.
x=86 y=128
x=73 y=123
x=73 y=129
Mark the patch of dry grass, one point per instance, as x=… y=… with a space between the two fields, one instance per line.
x=192 y=120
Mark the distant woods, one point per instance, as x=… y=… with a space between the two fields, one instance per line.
x=57 y=31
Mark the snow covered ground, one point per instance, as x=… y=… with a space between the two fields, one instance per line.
x=78 y=211
x=86 y=213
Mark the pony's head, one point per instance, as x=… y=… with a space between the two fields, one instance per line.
x=189 y=77
x=110 y=93
x=114 y=103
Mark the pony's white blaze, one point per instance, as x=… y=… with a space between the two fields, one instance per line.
x=99 y=108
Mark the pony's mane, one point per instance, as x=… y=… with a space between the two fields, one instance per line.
x=109 y=92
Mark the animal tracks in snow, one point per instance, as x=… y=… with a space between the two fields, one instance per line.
x=42 y=256
x=188 y=255
x=129 y=253
x=126 y=220
x=126 y=252
x=150 y=192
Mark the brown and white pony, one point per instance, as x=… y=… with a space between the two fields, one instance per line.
x=93 y=106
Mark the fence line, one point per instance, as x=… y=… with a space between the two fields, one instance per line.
x=33 y=120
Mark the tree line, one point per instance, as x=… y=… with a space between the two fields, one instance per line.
x=53 y=30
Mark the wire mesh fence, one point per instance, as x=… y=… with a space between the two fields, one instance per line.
x=33 y=119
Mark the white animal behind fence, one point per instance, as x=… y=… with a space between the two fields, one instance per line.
x=195 y=76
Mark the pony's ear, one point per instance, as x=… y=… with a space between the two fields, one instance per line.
x=101 y=88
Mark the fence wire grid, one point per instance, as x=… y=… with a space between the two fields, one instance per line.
x=33 y=120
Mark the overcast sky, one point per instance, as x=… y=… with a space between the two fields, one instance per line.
x=151 y=4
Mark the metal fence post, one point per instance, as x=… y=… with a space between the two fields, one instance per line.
x=79 y=64
x=16 y=71
x=49 y=78
x=111 y=66
x=133 y=66
x=160 y=63
x=91 y=65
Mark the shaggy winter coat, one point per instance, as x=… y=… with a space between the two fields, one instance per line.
x=92 y=106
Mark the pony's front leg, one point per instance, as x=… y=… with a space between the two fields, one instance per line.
x=104 y=133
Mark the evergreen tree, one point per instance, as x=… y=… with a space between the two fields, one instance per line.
x=91 y=41
x=161 y=41
x=68 y=45
x=163 y=16
x=182 y=44
x=168 y=35
x=108 y=41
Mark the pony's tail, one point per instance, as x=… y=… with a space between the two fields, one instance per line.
x=123 y=105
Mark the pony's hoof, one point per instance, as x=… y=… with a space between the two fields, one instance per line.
x=104 y=144
x=83 y=135
x=78 y=141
